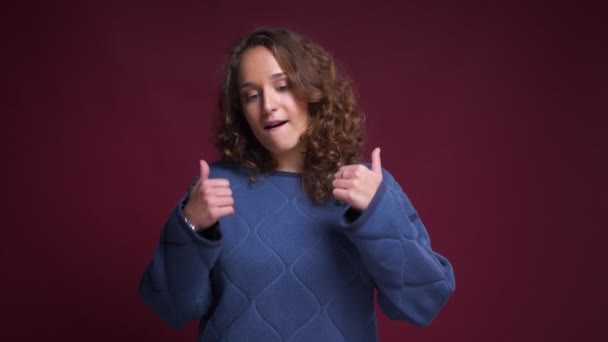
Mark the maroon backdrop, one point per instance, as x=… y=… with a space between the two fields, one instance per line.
x=490 y=115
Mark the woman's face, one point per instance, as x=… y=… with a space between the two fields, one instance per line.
x=276 y=115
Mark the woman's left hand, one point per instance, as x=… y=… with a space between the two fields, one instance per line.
x=356 y=184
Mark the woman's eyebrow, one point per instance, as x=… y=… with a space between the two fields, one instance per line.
x=273 y=76
x=277 y=75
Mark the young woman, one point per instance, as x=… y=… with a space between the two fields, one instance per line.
x=289 y=235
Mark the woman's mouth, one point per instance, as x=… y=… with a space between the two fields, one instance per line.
x=274 y=124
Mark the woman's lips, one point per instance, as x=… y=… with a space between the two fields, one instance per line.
x=274 y=124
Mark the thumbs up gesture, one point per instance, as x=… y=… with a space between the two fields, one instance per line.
x=356 y=184
x=209 y=200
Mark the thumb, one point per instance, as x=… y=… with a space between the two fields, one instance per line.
x=376 y=165
x=204 y=170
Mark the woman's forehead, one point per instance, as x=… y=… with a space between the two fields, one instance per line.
x=258 y=64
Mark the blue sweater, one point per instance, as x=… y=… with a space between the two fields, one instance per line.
x=286 y=269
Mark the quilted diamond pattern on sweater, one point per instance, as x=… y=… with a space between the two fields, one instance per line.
x=287 y=269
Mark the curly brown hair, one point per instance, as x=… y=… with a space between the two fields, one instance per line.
x=335 y=133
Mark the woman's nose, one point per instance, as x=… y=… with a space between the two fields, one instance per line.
x=270 y=102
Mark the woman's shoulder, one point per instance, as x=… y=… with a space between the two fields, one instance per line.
x=235 y=172
x=387 y=176
x=226 y=169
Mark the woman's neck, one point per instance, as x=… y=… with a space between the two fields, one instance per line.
x=290 y=162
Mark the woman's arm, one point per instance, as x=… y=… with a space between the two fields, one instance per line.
x=413 y=281
x=176 y=284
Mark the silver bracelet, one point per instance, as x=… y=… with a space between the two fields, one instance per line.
x=189 y=223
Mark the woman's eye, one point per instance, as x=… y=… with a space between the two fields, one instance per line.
x=282 y=88
x=251 y=97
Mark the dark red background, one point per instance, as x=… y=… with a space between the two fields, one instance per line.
x=490 y=115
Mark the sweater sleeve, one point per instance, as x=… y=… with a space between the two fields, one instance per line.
x=176 y=284
x=413 y=281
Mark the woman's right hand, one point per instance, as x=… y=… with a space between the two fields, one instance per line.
x=209 y=200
